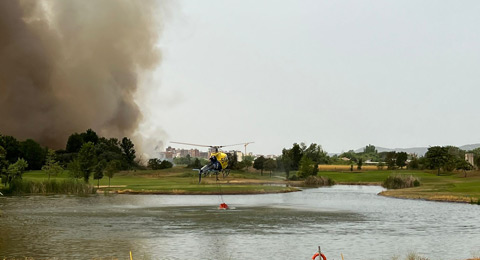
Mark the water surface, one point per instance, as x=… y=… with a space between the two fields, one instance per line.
x=351 y=220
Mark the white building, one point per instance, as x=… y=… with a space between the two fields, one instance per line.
x=469 y=158
x=239 y=155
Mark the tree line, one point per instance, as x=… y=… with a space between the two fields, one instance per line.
x=304 y=160
x=85 y=154
x=439 y=158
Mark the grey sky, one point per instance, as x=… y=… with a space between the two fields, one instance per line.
x=342 y=74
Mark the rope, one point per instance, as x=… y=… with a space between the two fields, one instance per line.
x=220 y=189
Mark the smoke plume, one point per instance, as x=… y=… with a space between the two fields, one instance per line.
x=70 y=65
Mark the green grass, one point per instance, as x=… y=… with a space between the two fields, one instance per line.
x=181 y=180
x=377 y=177
x=177 y=180
x=446 y=187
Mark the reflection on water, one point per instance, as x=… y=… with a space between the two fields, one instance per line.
x=351 y=220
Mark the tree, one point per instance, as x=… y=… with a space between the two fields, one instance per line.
x=270 y=165
x=108 y=149
x=51 y=166
x=74 y=169
x=16 y=170
x=165 y=164
x=307 y=167
x=315 y=169
x=154 y=163
x=12 y=148
x=350 y=155
x=286 y=163
x=464 y=166
x=112 y=168
x=98 y=171
x=128 y=151
x=455 y=157
x=259 y=164
x=316 y=153
x=3 y=165
x=477 y=161
x=87 y=160
x=157 y=164
x=33 y=153
x=90 y=136
x=196 y=164
x=381 y=165
x=295 y=155
x=370 y=149
x=247 y=161
x=436 y=157
x=74 y=143
x=414 y=163
x=359 y=164
x=401 y=160
x=390 y=160
x=63 y=157
x=232 y=161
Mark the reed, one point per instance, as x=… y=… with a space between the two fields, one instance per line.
x=318 y=181
x=401 y=182
x=415 y=256
x=68 y=186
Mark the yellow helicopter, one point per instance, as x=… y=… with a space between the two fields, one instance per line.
x=218 y=160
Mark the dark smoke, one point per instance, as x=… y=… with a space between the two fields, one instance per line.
x=70 y=65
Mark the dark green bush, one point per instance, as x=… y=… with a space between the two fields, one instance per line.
x=294 y=177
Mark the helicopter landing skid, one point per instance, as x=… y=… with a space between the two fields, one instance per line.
x=207 y=172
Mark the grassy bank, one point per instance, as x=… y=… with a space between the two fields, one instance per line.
x=446 y=187
x=178 y=180
x=181 y=180
x=46 y=187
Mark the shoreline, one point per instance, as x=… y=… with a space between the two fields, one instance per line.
x=415 y=195
x=432 y=197
x=431 y=191
x=184 y=192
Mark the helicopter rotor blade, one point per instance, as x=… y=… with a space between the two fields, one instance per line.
x=201 y=145
x=212 y=146
x=220 y=146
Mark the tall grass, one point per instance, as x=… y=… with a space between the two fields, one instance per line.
x=411 y=256
x=401 y=181
x=68 y=186
x=318 y=181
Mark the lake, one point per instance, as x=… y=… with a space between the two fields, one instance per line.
x=352 y=220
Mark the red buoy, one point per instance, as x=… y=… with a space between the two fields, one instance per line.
x=223 y=206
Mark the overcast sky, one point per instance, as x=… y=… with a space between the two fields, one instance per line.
x=342 y=74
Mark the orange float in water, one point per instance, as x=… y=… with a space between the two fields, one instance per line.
x=223 y=206
x=318 y=254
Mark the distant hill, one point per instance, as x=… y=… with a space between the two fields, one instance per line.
x=469 y=147
x=417 y=150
